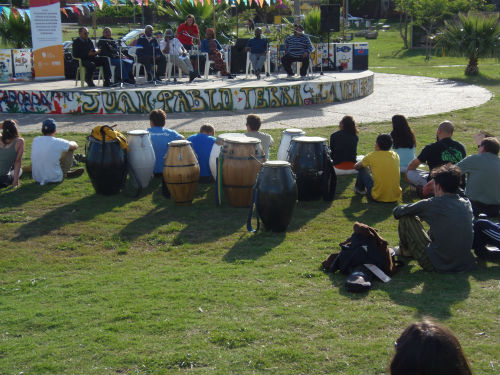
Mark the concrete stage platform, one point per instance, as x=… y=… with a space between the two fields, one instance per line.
x=215 y=94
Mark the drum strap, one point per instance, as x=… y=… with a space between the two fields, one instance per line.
x=250 y=213
x=218 y=182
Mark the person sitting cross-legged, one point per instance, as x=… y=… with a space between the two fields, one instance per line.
x=51 y=157
x=483 y=177
x=178 y=55
x=383 y=183
x=444 y=150
x=447 y=247
x=202 y=145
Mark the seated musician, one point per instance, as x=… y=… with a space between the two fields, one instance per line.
x=253 y=125
x=202 y=145
x=150 y=55
x=83 y=48
x=257 y=47
x=109 y=48
x=178 y=55
x=298 y=47
x=211 y=46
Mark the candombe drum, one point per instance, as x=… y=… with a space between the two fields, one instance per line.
x=141 y=156
x=106 y=164
x=286 y=139
x=276 y=195
x=214 y=154
x=309 y=162
x=181 y=171
x=242 y=158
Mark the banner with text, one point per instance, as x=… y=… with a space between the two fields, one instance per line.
x=46 y=35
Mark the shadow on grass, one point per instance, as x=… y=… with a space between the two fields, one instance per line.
x=259 y=244
x=82 y=210
x=202 y=221
x=368 y=212
x=343 y=182
x=27 y=192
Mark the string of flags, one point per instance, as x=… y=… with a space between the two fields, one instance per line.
x=86 y=8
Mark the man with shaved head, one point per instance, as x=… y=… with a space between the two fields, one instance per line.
x=444 y=150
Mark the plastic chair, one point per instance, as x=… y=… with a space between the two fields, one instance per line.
x=267 y=64
x=113 y=70
x=81 y=72
x=136 y=67
x=170 y=63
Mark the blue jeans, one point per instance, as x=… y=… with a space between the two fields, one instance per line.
x=364 y=181
x=126 y=69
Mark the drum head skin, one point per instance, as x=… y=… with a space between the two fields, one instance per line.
x=294 y=131
x=242 y=140
x=222 y=137
x=276 y=164
x=179 y=143
x=306 y=139
x=137 y=132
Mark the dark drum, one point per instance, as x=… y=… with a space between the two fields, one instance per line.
x=313 y=169
x=106 y=164
x=276 y=195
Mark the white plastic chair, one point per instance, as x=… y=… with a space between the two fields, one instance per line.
x=169 y=67
x=267 y=64
x=136 y=68
x=210 y=62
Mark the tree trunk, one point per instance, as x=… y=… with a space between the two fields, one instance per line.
x=403 y=28
x=472 y=68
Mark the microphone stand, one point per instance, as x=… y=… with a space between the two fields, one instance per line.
x=198 y=52
x=321 y=60
x=122 y=84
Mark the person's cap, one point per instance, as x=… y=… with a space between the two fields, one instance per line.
x=169 y=32
x=298 y=26
x=49 y=126
x=158 y=33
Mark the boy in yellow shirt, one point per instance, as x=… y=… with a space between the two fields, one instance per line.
x=382 y=184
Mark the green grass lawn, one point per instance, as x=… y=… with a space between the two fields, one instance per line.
x=114 y=285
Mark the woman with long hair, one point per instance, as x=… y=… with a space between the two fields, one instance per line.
x=344 y=143
x=186 y=31
x=211 y=46
x=404 y=141
x=428 y=348
x=11 y=154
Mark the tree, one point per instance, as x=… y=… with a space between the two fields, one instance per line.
x=203 y=14
x=427 y=14
x=16 y=31
x=406 y=10
x=473 y=36
x=313 y=22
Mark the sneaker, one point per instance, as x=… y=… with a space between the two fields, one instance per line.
x=75 y=173
x=359 y=191
x=90 y=83
x=192 y=76
x=289 y=75
x=107 y=83
x=257 y=74
x=80 y=158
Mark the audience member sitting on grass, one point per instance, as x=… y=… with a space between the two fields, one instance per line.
x=343 y=144
x=51 y=157
x=404 y=141
x=202 y=145
x=11 y=154
x=486 y=233
x=447 y=248
x=426 y=348
x=160 y=137
x=444 y=150
x=383 y=183
x=483 y=178
x=253 y=126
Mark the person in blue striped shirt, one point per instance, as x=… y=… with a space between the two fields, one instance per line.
x=297 y=48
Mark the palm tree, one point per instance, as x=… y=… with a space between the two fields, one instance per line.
x=473 y=36
x=203 y=14
x=15 y=31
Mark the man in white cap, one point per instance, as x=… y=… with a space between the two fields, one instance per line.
x=178 y=55
x=52 y=157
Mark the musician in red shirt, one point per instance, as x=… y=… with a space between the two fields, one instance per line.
x=186 y=31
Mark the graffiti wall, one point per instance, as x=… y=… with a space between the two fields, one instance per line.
x=187 y=100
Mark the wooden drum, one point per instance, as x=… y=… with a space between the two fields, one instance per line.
x=242 y=158
x=181 y=171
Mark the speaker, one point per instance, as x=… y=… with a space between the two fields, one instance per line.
x=239 y=56
x=330 y=18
